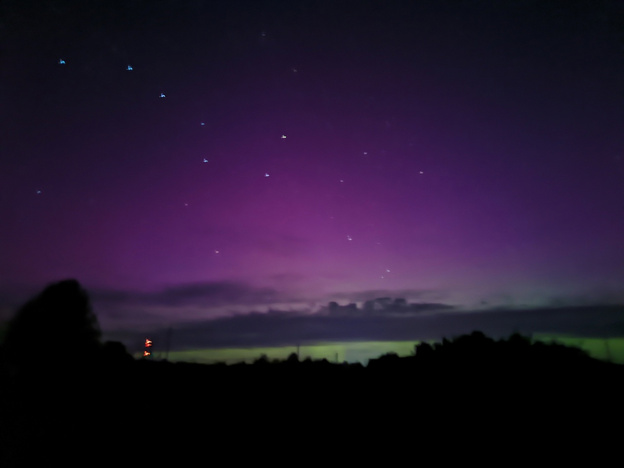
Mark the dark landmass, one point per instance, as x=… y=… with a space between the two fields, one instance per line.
x=68 y=397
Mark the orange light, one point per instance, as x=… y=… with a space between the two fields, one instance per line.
x=146 y=353
x=148 y=343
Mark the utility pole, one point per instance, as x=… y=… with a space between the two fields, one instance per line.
x=609 y=357
x=168 y=342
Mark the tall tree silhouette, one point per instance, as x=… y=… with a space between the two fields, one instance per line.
x=56 y=327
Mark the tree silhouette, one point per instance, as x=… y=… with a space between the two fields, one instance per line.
x=57 y=326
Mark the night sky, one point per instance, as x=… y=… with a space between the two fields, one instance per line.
x=251 y=161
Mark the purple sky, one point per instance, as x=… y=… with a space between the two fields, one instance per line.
x=446 y=152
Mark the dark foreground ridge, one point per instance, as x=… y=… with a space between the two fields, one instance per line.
x=68 y=397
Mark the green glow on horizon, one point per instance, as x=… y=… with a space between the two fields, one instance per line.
x=345 y=351
x=362 y=351
x=600 y=348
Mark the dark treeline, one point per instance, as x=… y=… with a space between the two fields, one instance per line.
x=66 y=394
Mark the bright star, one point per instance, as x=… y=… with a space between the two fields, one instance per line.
x=162 y=95
x=205 y=160
x=266 y=174
x=283 y=137
x=129 y=68
x=61 y=62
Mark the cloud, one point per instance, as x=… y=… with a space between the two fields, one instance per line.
x=279 y=328
x=203 y=315
x=361 y=296
x=215 y=294
x=179 y=303
x=383 y=306
x=206 y=294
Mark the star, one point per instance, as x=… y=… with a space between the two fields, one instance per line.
x=205 y=160
x=202 y=124
x=283 y=137
x=349 y=238
x=129 y=68
x=216 y=251
x=162 y=95
x=266 y=174
x=61 y=62
x=38 y=192
x=421 y=172
x=341 y=180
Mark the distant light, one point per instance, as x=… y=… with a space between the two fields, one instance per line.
x=38 y=192
x=61 y=62
x=216 y=251
x=205 y=160
x=421 y=172
x=148 y=343
x=162 y=95
x=202 y=124
x=349 y=238
x=129 y=68
x=146 y=353
x=341 y=180
x=266 y=174
x=365 y=153
x=283 y=137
